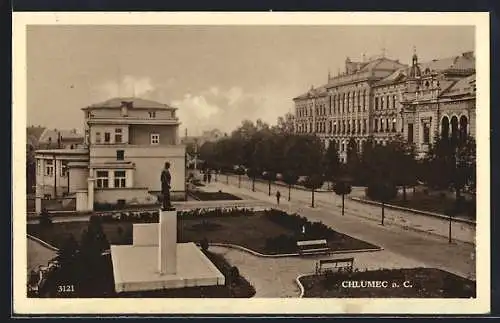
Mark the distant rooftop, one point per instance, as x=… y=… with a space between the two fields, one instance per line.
x=136 y=103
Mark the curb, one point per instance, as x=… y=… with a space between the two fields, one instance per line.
x=283 y=255
x=301 y=287
x=400 y=208
x=43 y=243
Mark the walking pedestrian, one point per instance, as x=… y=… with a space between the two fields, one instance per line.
x=278 y=195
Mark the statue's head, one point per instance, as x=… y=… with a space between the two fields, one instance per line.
x=167 y=165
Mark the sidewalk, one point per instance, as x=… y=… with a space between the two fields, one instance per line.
x=464 y=232
x=431 y=249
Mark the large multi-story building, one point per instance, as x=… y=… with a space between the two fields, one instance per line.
x=382 y=98
x=127 y=142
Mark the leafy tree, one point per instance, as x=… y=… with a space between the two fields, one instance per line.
x=290 y=178
x=240 y=171
x=313 y=182
x=331 y=162
x=342 y=187
x=382 y=191
x=402 y=162
x=45 y=219
x=66 y=255
x=270 y=177
x=353 y=160
x=252 y=173
x=450 y=162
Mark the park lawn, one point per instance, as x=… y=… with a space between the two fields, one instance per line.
x=213 y=196
x=250 y=231
x=425 y=283
x=431 y=203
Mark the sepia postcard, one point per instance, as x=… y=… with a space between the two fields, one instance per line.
x=251 y=163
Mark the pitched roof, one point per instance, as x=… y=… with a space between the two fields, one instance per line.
x=313 y=92
x=34 y=132
x=137 y=103
x=465 y=61
x=463 y=86
x=54 y=133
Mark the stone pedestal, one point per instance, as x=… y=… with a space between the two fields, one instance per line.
x=167 y=244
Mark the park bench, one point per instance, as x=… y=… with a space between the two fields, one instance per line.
x=338 y=265
x=312 y=246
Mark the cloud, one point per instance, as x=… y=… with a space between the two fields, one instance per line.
x=211 y=107
x=130 y=86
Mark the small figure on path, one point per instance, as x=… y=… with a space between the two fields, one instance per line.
x=165 y=186
x=209 y=176
x=278 y=195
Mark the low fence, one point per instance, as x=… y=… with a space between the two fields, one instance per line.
x=57 y=204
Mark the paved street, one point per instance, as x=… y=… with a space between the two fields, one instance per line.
x=429 y=249
x=333 y=203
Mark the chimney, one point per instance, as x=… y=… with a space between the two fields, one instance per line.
x=167 y=244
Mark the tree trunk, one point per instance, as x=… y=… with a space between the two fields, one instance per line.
x=343 y=195
x=289 y=191
x=227 y=179
x=269 y=190
x=253 y=184
x=449 y=230
x=404 y=193
x=312 y=198
x=239 y=181
x=383 y=215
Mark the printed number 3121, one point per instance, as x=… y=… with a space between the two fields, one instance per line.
x=65 y=288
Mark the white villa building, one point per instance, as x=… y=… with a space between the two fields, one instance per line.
x=127 y=142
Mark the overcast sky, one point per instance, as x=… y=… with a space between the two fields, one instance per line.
x=217 y=76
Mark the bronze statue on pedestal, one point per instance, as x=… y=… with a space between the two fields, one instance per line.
x=165 y=188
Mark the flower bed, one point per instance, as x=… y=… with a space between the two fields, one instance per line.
x=402 y=283
x=268 y=232
x=213 y=196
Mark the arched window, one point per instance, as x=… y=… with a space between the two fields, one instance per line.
x=445 y=127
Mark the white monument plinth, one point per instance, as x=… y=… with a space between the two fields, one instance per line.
x=156 y=261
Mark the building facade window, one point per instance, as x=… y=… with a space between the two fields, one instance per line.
x=64 y=168
x=376 y=103
x=155 y=139
x=107 y=137
x=394 y=102
x=120 y=155
x=118 y=135
x=152 y=114
x=120 y=178
x=38 y=166
x=49 y=168
x=426 y=133
x=102 y=180
x=410 y=133
x=97 y=137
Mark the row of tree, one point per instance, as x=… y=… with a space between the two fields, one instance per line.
x=265 y=151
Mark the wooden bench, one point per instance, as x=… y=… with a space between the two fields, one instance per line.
x=338 y=265
x=312 y=246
